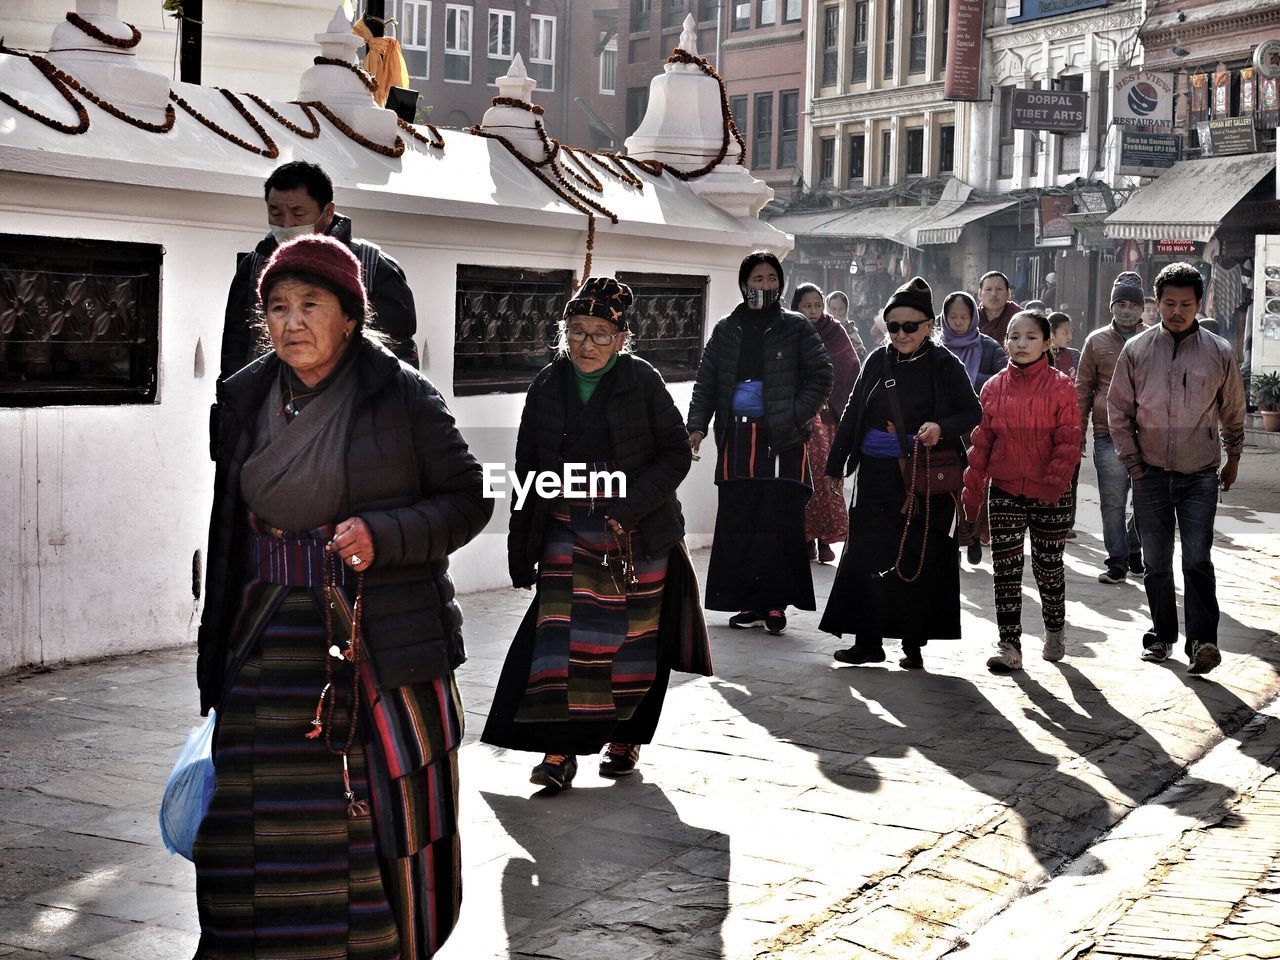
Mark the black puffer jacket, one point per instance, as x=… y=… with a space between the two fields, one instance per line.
x=797 y=377
x=649 y=443
x=410 y=477
x=388 y=293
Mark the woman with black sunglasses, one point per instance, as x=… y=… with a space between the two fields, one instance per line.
x=912 y=404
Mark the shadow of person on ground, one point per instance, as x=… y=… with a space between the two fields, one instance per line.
x=611 y=872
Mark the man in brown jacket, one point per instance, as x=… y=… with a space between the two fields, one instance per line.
x=1174 y=387
x=1093 y=379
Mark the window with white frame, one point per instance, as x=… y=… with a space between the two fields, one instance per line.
x=542 y=51
x=502 y=42
x=609 y=67
x=415 y=36
x=457 y=44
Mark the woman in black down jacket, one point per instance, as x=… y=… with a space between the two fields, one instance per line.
x=617 y=601
x=900 y=575
x=764 y=376
x=330 y=635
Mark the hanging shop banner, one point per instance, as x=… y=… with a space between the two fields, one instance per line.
x=1020 y=11
x=1222 y=94
x=1269 y=103
x=1053 y=229
x=964 y=52
x=1148 y=154
x=1059 y=111
x=1248 y=101
x=1143 y=99
x=1199 y=97
x=1219 y=138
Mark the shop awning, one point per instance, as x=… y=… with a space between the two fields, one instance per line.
x=886 y=223
x=1190 y=200
x=947 y=228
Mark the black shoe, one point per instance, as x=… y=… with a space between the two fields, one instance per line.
x=775 y=621
x=746 y=620
x=1135 y=565
x=1112 y=575
x=1206 y=657
x=555 y=772
x=911 y=658
x=857 y=655
x=974 y=553
x=619 y=760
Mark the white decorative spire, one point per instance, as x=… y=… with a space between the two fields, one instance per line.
x=340 y=88
x=684 y=127
x=689 y=36
x=110 y=71
x=517 y=125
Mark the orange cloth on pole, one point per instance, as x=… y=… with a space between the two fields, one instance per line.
x=385 y=62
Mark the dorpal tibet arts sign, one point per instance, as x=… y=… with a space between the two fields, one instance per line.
x=1019 y=11
x=1148 y=154
x=1058 y=111
x=964 y=52
x=1143 y=99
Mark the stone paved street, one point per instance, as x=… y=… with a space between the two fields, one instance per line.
x=790 y=808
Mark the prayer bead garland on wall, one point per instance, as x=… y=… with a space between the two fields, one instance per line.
x=270 y=150
x=102 y=36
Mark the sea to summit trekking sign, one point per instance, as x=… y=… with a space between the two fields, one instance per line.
x=1058 y=111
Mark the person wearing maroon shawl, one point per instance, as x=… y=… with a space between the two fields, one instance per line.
x=826 y=519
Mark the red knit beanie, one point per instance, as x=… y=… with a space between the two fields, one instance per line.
x=319 y=256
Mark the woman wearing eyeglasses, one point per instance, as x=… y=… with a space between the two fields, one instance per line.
x=764 y=376
x=616 y=607
x=900 y=575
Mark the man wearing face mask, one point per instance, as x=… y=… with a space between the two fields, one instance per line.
x=1093 y=378
x=1176 y=406
x=299 y=199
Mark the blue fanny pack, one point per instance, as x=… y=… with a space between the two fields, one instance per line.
x=748 y=398
x=883 y=444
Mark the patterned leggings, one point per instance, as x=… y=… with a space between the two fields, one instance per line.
x=1011 y=516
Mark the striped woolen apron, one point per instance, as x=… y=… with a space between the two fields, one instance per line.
x=282 y=871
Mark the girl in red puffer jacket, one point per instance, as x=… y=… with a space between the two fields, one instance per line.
x=1027 y=447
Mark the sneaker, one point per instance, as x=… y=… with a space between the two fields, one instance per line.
x=974 y=553
x=911 y=658
x=775 y=621
x=1135 y=565
x=555 y=772
x=1156 y=653
x=1007 y=659
x=1112 y=575
x=857 y=655
x=1055 y=645
x=746 y=620
x=619 y=760
x=1206 y=657
x=825 y=553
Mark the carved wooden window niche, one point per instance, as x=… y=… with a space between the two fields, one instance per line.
x=667 y=320
x=79 y=321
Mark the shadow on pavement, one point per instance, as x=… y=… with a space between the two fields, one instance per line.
x=611 y=872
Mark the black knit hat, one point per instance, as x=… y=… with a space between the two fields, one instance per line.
x=915 y=293
x=602 y=297
x=1127 y=286
x=753 y=260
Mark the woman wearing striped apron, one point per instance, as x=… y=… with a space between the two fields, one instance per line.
x=330 y=635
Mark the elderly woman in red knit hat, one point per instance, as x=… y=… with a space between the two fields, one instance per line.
x=330 y=635
x=616 y=607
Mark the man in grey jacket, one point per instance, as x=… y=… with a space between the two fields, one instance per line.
x=1175 y=387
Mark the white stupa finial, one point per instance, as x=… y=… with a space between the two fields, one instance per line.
x=517 y=83
x=341 y=21
x=689 y=36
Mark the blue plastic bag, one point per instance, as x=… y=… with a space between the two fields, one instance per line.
x=187 y=794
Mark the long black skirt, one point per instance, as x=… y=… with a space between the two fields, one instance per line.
x=868 y=598
x=758 y=560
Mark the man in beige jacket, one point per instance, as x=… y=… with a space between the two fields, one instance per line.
x=1176 y=404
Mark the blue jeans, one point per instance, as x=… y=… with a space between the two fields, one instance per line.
x=1161 y=499
x=1120 y=540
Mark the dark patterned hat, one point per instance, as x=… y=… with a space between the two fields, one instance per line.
x=602 y=297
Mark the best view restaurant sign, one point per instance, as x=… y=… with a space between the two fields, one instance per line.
x=1142 y=107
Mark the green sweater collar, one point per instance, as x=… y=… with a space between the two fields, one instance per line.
x=587 y=382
